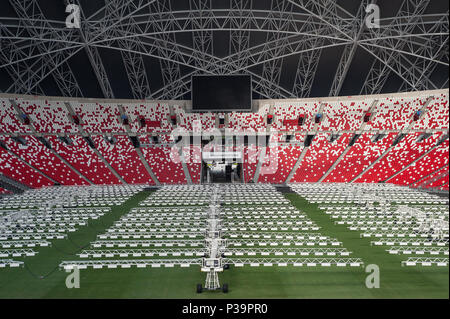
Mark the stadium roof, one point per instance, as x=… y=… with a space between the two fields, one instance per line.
x=292 y=48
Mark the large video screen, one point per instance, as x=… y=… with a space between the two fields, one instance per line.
x=222 y=93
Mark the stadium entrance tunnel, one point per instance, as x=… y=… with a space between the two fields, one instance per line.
x=222 y=172
x=284 y=189
x=151 y=189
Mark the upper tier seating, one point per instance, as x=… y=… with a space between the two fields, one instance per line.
x=9 y=121
x=287 y=113
x=436 y=116
x=345 y=115
x=83 y=159
x=167 y=138
x=155 y=115
x=248 y=121
x=319 y=157
x=358 y=158
x=51 y=116
x=203 y=121
x=124 y=159
x=398 y=157
x=48 y=116
x=40 y=157
x=98 y=118
x=395 y=114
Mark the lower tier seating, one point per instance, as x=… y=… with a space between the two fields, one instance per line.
x=251 y=156
x=165 y=164
x=358 y=158
x=14 y=168
x=193 y=158
x=401 y=155
x=441 y=183
x=4 y=191
x=84 y=159
x=373 y=161
x=319 y=157
x=40 y=157
x=432 y=161
x=278 y=163
x=424 y=182
x=122 y=156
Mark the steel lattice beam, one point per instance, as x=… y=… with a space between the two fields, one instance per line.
x=170 y=70
x=134 y=62
x=426 y=68
x=9 y=52
x=95 y=59
x=350 y=50
x=306 y=70
x=272 y=68
x=30 y=11
x=202 y=40
x=240 y=39
x=379 y=72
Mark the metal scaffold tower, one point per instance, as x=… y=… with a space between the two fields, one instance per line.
x=433 y=225
x=212 y=263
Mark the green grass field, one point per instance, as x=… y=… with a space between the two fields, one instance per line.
x=42 y=278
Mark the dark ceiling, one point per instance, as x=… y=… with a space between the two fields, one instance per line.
x=117 y=75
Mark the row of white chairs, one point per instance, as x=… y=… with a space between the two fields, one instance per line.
x=21 y=229
x=396 y=250
x=17 y=253
x=415 y=261
x=269 y=262
x=402 y=230
x=154 y=230
x=24 y=243
x=189 y=252
x=10 y=263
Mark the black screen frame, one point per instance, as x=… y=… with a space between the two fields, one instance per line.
x=215 y=110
